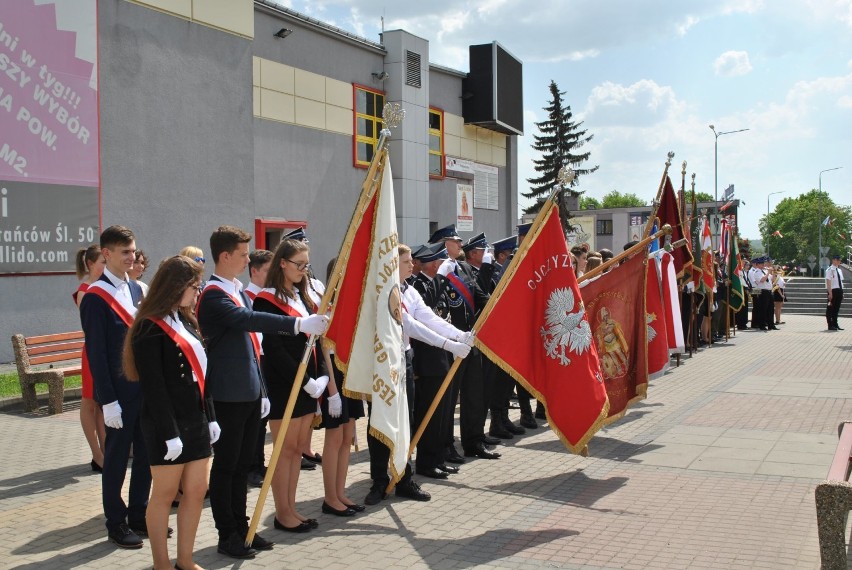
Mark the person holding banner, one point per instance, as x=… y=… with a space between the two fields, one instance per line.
x=286 y=293
x=163 y=351
x=236 y=384
x=107 y=312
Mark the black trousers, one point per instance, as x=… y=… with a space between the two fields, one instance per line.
x=449 y=410
x=379 y=452
x=430 y=448
x=232 y=459
x=832 y=310
x=762 y=308
x=116 y=456
x=501 y=386
x=473 y=400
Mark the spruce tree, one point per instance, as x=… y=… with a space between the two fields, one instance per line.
x=560 y=138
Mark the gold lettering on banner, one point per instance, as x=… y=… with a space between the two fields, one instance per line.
x=388 y=244
x=379 y=350
x=383 y=390
x=558 y=261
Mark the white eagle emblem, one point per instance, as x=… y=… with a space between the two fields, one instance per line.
x=650 y=318
x=565 y=331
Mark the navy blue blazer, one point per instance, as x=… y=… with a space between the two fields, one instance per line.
x=105 y=332
x=233 y=372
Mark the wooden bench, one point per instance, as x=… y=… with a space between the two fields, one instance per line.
x=833 y=503
x=53 y=349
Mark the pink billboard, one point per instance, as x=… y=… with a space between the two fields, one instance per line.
x=49 y=172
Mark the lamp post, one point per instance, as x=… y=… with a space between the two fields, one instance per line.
x=819 y=252
x=716 y=164
x=767 y=214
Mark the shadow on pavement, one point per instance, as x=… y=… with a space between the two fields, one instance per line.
x=60 y=539
x=42 y=481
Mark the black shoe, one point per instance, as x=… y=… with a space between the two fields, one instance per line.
x=255 y=479
x=307 y=464
x=774 y=328
x=490 y=440
x=448 y=469
x=512 y=428
x=837 y=328
x=140 y=527
x=481 y=452
x=498 y=431
x=235 y=547
x=329 y=510
x=96 y=468
x=833 y=329
x=123 y=537
x=357 y=508
x=315 y=458
x=528 y=421
x=453 y=455
x=411 y=490
x=376 y=494
x=303 y=526
x=313 y=522
x=431 y=472
x=539 y=412
x=260 y=543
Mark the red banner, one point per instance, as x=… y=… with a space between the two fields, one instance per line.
x=668 y=213
x=539 y=333
x=655 y=318
x=615 y=303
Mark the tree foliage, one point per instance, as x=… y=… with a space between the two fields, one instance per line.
x=616 y=199
x=704 y=197
x=798 y=221
x=559 y=143
x=589 y=203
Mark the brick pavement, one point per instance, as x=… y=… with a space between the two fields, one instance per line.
x=715 y=469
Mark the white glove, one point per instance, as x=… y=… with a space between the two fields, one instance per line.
x=447 y=267
x=466 y=337
x=215 y=431
x=487 y=257
x=314 y=324
x=112 y=415
x=335 y=406
x=315 y=387
x=174 y=447
x=458 y=349
x=265 y=407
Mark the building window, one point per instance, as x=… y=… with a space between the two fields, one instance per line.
x=368 y=123
x=436 y=143
x=604 y=227
x=268 y=233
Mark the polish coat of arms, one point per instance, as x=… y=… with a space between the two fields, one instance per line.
x=566 y=330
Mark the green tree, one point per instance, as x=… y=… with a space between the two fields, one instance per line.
x=616 y=199
x=559 y=144
x=589 y=203
x=791 y=232
x=704 y=197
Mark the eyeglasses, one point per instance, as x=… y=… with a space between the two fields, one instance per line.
x=299 y=266
x=200 y=260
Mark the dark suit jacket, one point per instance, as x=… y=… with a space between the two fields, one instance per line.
x=171 y=398
x=105 y=332
x=233 y=372
x=431 y=360
x=461 y=315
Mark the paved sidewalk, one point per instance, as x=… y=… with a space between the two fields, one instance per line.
x=715 y=469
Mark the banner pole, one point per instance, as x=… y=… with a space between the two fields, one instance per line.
x=656 y=202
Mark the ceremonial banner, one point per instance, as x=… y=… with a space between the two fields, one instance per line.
x=658 y=345
x=668 y=213
x=551 y=351
x=615 y=303
x=671 y=305
x=708 y=277
x=366 y=324
x=735 y=273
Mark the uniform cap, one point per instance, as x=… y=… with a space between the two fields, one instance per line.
x=476 y=242
x=505 y=244
x=448 y=232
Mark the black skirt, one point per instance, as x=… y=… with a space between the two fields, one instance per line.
x=195 y=437
x=352 y=408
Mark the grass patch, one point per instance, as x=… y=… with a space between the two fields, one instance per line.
x=9 y=385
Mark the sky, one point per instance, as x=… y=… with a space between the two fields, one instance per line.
x=648 y=77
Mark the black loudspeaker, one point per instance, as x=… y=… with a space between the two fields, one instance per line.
x=492 y=93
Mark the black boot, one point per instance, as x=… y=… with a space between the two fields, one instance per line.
x=509 y=425
x=539 y=411
x=497 y=428
x=528 y=421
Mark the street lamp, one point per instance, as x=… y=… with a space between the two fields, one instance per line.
x=716 y=163
x=767 y=214
x=819 y=252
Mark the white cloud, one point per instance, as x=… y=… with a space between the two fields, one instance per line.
x=642 y=103
x=732 y=64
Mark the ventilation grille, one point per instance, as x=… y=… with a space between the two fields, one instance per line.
x=412 y=68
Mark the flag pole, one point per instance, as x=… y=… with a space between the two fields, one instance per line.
x=371 y=181
x=656 y=202
x=565 y=177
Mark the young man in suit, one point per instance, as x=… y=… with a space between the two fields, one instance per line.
x=235 y=381
x=107 y=314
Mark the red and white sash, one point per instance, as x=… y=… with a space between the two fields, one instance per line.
x=189 y=344
x=255 y=337
x=293 y=309
x=121 y=305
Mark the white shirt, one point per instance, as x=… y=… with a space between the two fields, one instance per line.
x=122 y=290
x=253 y=289
x=758 y=280
x=421 y=323
x=833 y=278
x=232 y=288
